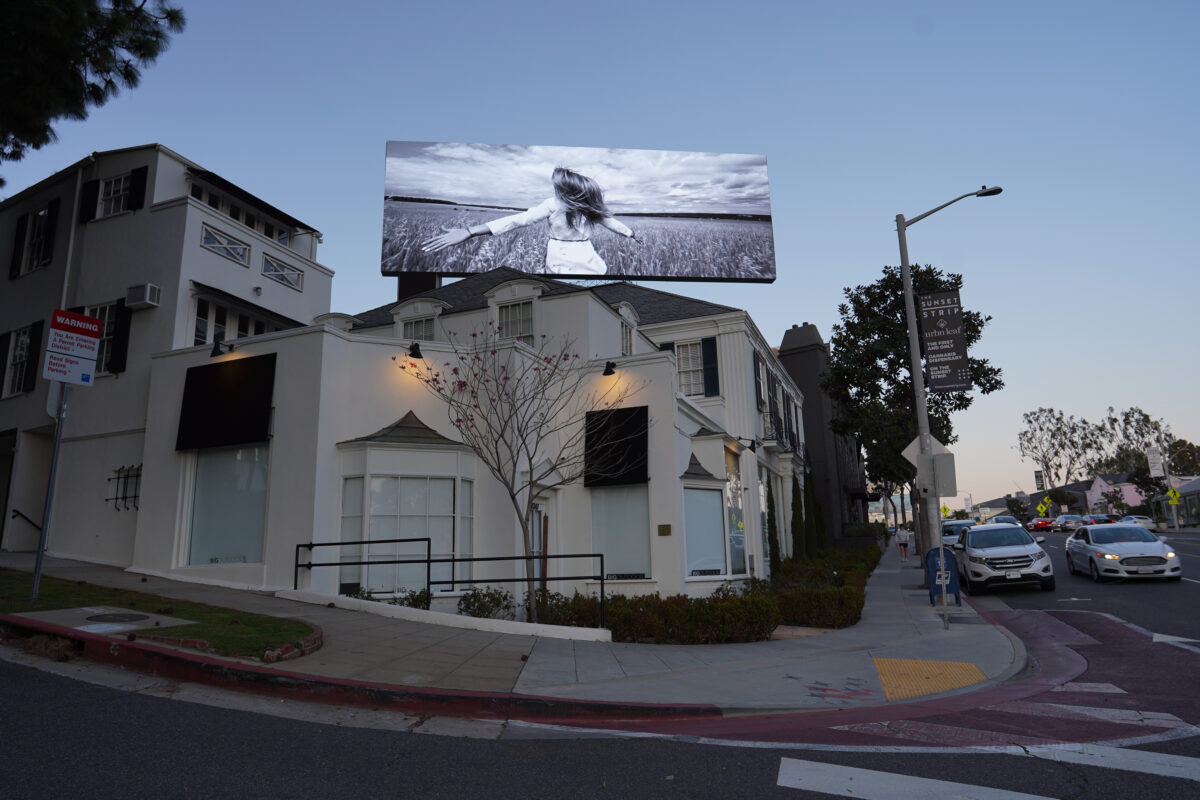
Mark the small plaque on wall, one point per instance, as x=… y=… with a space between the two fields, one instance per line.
x=664 y=530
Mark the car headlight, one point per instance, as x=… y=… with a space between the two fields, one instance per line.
x=1109 y=556
x=977 y=559
x=1039 y=555
x=1170 y=554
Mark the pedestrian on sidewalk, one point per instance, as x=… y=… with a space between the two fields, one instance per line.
x=902 y=543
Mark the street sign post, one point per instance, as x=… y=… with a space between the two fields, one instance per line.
x=70 y=359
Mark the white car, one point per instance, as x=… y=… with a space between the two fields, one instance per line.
x=1136 y=519
x=1002 y=555
x=1121 y=551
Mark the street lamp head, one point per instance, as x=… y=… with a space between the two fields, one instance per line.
x=988 y=191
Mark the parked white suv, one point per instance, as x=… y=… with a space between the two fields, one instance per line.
x=1002 y=555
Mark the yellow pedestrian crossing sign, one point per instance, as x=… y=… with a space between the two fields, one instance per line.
x=1041 y=509
x=945 y=511
x=1173 y=496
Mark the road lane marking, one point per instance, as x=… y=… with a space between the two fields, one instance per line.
x=1162 y=637
x=1171 y=766
x=1122 y=716
x=870 y=784
x=1094 y=688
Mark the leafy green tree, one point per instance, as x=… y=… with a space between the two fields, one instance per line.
x=869 y=378
x=1016 y=506
x=1058 y=445
x=797 y=519
x=772 y=532
x=60 y=57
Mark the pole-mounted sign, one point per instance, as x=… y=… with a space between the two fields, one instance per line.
x=945 y=345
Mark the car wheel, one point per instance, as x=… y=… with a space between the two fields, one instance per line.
x=1095 y=572
x=1070 y=564
x=1048 y=586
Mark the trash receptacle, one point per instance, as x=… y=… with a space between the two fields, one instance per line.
x=942 y=570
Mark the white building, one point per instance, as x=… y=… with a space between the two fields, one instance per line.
x=308 y=433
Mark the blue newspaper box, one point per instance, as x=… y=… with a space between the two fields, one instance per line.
x=942 y=569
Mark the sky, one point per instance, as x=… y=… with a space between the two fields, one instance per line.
x=1086 y=113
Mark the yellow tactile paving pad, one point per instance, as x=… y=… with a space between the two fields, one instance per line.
x=906 y=678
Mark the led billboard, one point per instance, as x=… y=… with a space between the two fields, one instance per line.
x=576 y=212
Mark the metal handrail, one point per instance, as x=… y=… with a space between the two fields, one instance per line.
x=16 y=513
x=429 y=561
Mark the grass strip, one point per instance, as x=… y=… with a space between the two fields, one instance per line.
x=228 y=632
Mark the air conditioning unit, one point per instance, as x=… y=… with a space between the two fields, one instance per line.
x=145 y=295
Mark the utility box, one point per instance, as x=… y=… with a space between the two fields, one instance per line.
x=942 y=570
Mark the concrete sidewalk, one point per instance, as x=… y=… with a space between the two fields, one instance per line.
x=902 y=649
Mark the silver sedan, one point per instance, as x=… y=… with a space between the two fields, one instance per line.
x=1121 y=551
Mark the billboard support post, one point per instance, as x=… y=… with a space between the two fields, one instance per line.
x=932 y=535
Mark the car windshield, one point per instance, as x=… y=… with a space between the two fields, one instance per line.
x=1122 y=534
x=1005 y=537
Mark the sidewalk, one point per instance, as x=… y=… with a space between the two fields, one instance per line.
x=901 y=650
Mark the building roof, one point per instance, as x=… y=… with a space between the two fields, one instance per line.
x=470 y=294
x=407 y=430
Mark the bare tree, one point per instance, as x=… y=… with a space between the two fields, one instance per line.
x=523 y=409
x=1058 y=445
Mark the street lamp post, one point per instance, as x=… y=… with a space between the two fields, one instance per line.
x=932 y=534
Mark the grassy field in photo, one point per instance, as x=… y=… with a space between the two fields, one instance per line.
x=666 y=247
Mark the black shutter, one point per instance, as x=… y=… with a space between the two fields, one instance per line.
x=119 y=351
x=211 y=390
x=89 y=196
x=667 y=346
x=708 y=351
x=51 y=224
x=34 y=359
x=616 y=447
x=758 y=387
x=4 y=341
x=137 y=188
x=14 y=269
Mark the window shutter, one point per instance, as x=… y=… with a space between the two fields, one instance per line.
x=14 y=269
x=51 y=224
x=89 y=196
x=758 y=387
x=137 y=188
x=118 y=354
x=33 y=363
x=4 y=342
x=708 y=350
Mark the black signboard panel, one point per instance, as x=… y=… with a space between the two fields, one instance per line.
x=944 y=343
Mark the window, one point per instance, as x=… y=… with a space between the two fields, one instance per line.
x=107 y=314
x=224 y=245
x=419 y=329
x=114 y=196
x=229 y=505
x=516 y=321
x=398 y=507
x=215 y=321
x=33 y=240
x=734 y=514
x=691 y=368
x=17 y=361
x=716 y=536
x=279 y=272
x=621 y=530
x=626 y=339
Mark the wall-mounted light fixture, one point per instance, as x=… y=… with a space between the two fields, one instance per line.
x=217 y=345
x=610 y=368
x=414 y=350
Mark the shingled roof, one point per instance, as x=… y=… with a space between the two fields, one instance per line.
x=470 y=293
x=407 y=430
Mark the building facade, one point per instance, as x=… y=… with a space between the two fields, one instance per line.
x=305 y=443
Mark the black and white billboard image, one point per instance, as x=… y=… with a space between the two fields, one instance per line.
x=576 y=212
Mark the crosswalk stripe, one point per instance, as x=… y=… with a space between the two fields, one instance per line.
x=1117 y=758
x=869 y=784
x=932 y=732
x=1123 y=716
x=1093 y=688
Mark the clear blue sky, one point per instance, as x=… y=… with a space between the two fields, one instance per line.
x=1085 y=112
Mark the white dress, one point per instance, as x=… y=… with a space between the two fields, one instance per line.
x=569 y=250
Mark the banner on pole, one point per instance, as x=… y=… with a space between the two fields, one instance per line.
x=945 y=345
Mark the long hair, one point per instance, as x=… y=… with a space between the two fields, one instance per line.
x=582 y=196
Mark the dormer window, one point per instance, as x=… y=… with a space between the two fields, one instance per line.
x=516 y=321
x=419 y=329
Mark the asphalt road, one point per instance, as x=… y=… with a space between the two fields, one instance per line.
x=1162 y=607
